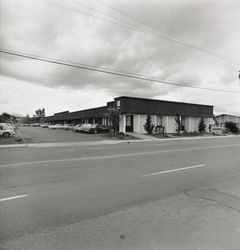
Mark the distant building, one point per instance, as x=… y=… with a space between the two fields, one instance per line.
x=228 y=118
x=133 y=113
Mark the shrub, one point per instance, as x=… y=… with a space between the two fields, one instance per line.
x=178 y=123
x=201 y=125
x=148 y=126
x=232 y=127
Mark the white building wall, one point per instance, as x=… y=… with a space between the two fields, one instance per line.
x=188 y=124
x=207 y=122
x=122 y=123
x=154 y=120
x=194 y=123
x=168 y=122
x=136 y=123
x=142 y=122
x=171 y=124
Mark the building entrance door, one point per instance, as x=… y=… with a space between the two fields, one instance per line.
x=129 y=123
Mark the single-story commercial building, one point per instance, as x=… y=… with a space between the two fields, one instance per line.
x=133 y=112
x=228 y=118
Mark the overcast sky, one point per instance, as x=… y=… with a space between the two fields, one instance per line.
x=77 y=31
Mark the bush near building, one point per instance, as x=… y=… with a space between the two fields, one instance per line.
x=232 y=127
x=201 y=125
x=148 y=126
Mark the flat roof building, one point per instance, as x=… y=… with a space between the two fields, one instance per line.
x=133 y=112
x=228 y=118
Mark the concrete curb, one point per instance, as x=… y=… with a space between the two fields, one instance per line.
x=108 y=142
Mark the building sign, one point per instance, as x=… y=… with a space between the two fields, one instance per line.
x=118 y=104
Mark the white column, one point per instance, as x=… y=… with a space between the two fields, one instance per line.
x=139 y=123
x=136 y=123
x=122 y=123
x=188 y=124
x=165 y=123
x=207 y=125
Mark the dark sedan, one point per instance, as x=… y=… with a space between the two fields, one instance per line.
x=97 y=128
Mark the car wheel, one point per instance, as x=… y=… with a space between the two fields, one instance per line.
x=6 y=134
x=95 y=131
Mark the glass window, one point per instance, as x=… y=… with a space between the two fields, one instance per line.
x=128 y=120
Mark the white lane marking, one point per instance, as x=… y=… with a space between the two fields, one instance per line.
x=103 y=157
x=14 y=197
x=174 y=170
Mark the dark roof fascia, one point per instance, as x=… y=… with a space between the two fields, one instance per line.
x=88 y=109
x=156 y=100
x=227 y=115
x=166 y=114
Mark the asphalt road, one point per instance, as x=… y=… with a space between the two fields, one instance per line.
x=44 y=188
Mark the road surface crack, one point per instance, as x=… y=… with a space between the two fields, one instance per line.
x=225 y=199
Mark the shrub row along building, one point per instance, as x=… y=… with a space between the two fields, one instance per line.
x=133 y=111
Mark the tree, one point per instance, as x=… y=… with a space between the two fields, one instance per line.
x=232 y=127
x=148 y=126
x=27 y=119
x=201 y=125
x=39 y=114
x=5 y=117
x=114 y=119
x=178 y=123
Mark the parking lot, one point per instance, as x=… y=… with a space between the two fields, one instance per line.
x=47 y=135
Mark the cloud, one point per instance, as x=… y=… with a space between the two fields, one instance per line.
x=47 y=30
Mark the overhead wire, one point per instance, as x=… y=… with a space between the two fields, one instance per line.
x=170 y=37
x=111 y=71
x=150 y=30
x=127 y=26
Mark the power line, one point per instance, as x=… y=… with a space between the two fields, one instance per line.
x=111 y=71
x=170 y=37
x=150 y=30
x=105 y=14
x=124 y=24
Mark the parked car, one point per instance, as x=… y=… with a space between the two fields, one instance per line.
x=51 y=126
x=8 y=125
x=36 y=124
x=86 y=127
x=56 y=126
x=68 y=126
x=6 y=131
x=76 y=127
x=98 y=128
x=44 y=125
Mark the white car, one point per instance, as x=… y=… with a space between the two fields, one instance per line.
x=68 y=126
x=77 y=128
x=36 y=124
x=56 y=126
x=8 y=125
x=6 y=131
x=44 y=125
x=86 y=128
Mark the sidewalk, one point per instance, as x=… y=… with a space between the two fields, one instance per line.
x=61 y=144
x=142 y=138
